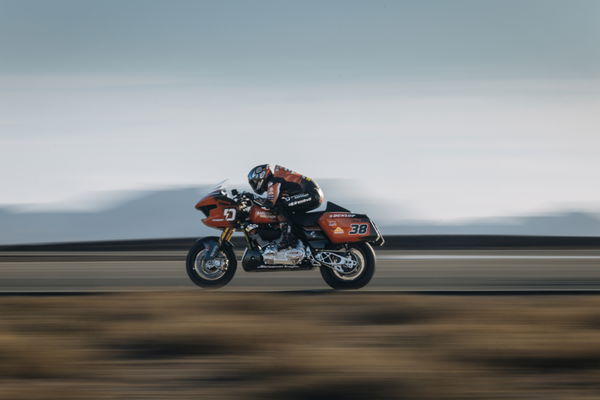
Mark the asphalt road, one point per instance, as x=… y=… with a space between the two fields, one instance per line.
x=516 y=270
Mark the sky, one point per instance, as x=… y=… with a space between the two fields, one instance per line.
x=450 y=109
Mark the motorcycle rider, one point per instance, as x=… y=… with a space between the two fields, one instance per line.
x=288 y=193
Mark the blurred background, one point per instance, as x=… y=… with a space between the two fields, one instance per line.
x=431 y=116
x=450 y=123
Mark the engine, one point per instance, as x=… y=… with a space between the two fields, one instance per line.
x=291 y=256
x=264 y=235
x=269 y=255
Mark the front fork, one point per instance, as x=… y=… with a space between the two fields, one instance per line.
x=226 y=235
x=213 y=250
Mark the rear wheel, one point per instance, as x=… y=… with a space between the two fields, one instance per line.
x=356 y=275
x=210 y=272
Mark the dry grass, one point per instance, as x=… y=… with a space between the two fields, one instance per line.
x=276 y=346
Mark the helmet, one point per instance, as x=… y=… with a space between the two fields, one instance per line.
x=258 y=176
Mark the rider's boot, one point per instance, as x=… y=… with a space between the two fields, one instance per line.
x=287 y=238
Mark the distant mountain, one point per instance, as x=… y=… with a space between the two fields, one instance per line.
x=560 y=224
x=152 y=214
x=170 y=213
x=145 y=214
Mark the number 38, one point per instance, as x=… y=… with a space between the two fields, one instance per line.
x=358 y=229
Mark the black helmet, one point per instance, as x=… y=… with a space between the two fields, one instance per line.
x=258 y=176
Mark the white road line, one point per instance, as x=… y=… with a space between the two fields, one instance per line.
x=481 y=257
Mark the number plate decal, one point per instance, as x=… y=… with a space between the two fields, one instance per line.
x=358 y=229
x=229 y=214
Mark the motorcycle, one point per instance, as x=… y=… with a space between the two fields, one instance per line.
x=336 y=241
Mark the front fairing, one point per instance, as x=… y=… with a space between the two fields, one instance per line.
x=220 y=210
x=218 y=191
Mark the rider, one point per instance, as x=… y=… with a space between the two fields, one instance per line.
x=288 y=193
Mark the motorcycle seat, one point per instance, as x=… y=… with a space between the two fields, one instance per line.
x=307 y=219
x=311 y=218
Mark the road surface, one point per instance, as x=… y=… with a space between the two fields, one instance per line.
x=506 y=270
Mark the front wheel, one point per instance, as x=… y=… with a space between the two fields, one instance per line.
x=358 y=275
x=211 y=271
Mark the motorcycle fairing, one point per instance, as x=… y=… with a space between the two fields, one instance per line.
x=335 y=226
x=220 y=211
x=260 y=215
x=347 y=227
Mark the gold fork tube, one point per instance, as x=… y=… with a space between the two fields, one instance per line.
x=227 y=234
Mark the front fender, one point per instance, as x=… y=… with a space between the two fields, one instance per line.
x=210 y=242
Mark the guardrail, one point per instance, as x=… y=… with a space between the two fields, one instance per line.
x=392 y=242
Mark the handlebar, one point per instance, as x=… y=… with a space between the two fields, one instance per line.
x=243 y=199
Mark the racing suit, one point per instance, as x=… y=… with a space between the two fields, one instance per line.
x=289 y=193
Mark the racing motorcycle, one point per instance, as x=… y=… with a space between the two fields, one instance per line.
x=336 y=241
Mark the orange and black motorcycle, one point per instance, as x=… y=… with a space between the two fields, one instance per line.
x=336 y=241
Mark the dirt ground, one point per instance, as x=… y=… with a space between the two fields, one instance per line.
x=208 y=345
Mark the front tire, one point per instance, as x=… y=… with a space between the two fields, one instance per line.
x=212 y=273
x=357 y=278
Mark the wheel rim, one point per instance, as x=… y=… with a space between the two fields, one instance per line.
x=354 y=272
x=213 y=268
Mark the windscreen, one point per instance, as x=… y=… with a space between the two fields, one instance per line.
x=219 y=188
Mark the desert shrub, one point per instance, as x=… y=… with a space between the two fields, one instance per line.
x=339 y=388
x=36 y=357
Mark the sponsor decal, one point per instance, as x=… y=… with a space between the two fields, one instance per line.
x=345 y=215
x=332 y=223
x=295 y=203
x=338 y=231
x=264 y=214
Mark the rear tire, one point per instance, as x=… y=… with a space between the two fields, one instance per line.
x=365 y=254
x=207 y=277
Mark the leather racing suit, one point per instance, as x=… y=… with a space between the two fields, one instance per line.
x=289 y=193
